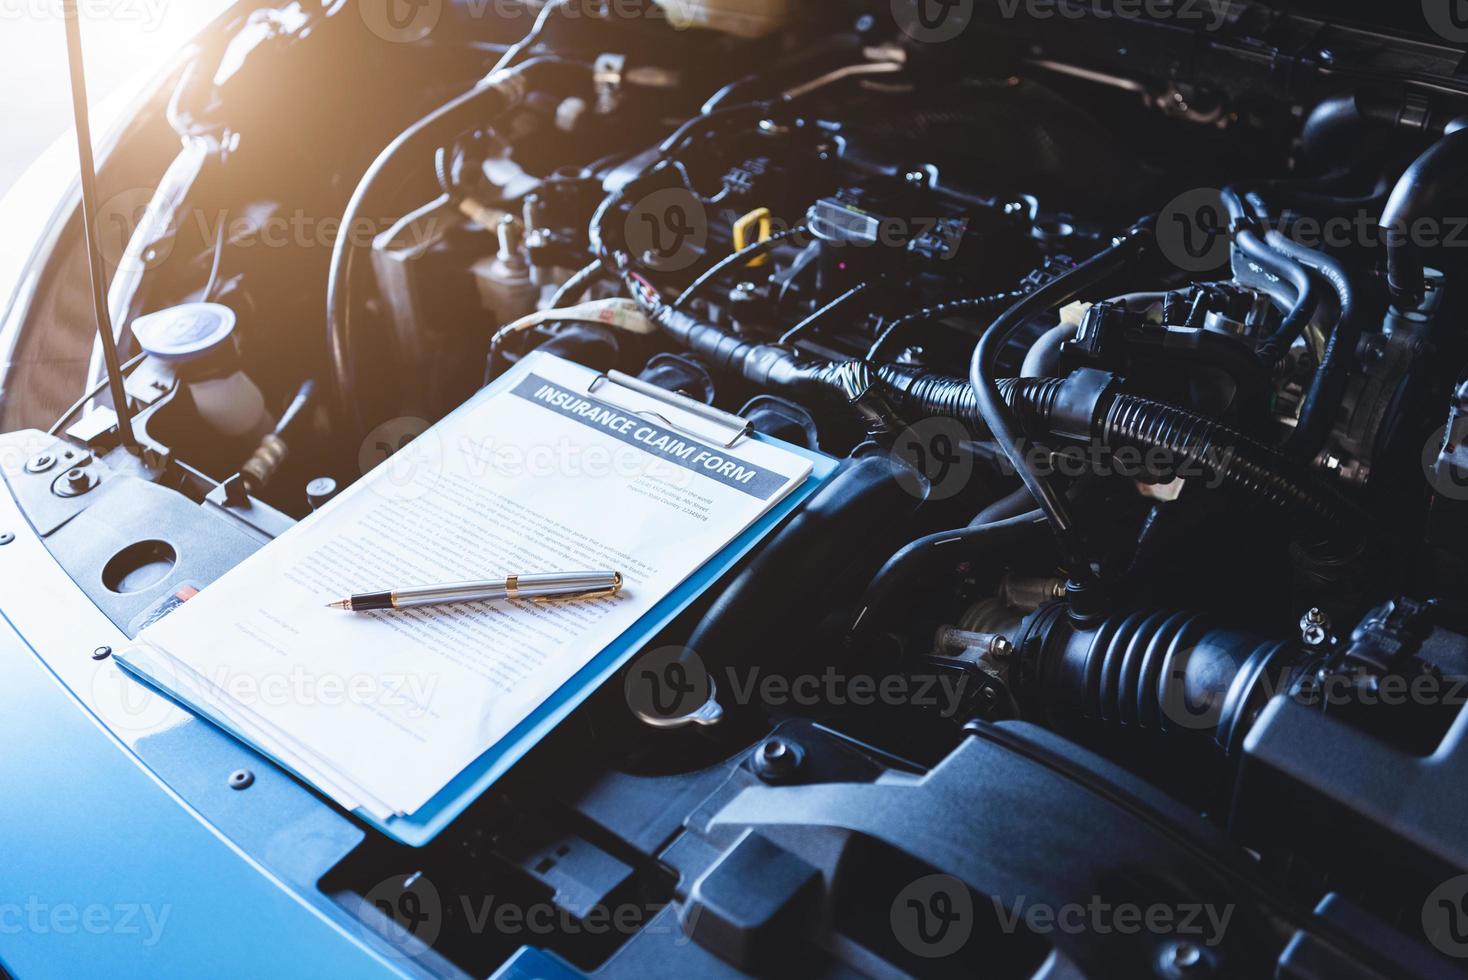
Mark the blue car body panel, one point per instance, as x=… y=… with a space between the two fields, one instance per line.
x=104 y=871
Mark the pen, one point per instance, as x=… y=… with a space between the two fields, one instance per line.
x=553 y=585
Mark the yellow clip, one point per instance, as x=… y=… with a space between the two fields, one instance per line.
x=766 y=222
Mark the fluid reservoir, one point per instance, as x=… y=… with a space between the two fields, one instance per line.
x=197 y=339
x=745 y=18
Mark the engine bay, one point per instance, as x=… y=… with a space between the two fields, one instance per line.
x=1140 y=585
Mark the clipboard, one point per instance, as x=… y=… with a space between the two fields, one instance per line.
x=677 y=411
x=418 y=829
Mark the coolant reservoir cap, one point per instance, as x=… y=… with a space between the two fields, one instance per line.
x=186 y=331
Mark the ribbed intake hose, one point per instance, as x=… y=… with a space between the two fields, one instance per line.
x=1170 y=672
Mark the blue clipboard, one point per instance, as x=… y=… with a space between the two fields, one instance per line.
x=418 y=829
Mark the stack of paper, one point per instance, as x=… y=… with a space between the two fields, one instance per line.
x=382 y=710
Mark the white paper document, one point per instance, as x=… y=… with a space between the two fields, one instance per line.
x=381 y=710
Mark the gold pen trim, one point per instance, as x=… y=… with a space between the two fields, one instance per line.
x=595 y=594
x=512 y=587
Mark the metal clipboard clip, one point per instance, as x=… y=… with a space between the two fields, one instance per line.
x=737 y=428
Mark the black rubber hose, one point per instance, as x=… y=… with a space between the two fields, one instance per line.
x=575 y=287
x=1177 y=440
x=1169 y=672
x=1343 y=124
x=1252 y=246
x=404 y=156
x=1313 y=195
x=1012 y=504
x=1423 y=191
x=1043 y=358
x=968 y=306
x=743 y=255
x=1193 y=445
x=1323 y=399
x=830 y=309
x=532 y=37
x=997 y=416
x=990 y=543
x=830 y=538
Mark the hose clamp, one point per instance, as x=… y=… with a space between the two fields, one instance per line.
x=1081 y=401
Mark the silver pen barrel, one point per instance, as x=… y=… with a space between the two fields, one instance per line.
x=543 y=586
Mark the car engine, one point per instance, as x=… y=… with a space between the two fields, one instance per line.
x=1130 y=638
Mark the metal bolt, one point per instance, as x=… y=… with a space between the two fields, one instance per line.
x=241 y=779
x=74 y=482
x=776 y=759
x=319 y=491
x=41 y=463
x=1179 y=959
x=1186 y=955
x=1315 y=627
x=101 y=653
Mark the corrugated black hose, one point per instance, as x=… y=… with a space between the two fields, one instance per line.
x=1180 y=441
x=1083 y=407
x=998 y=418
